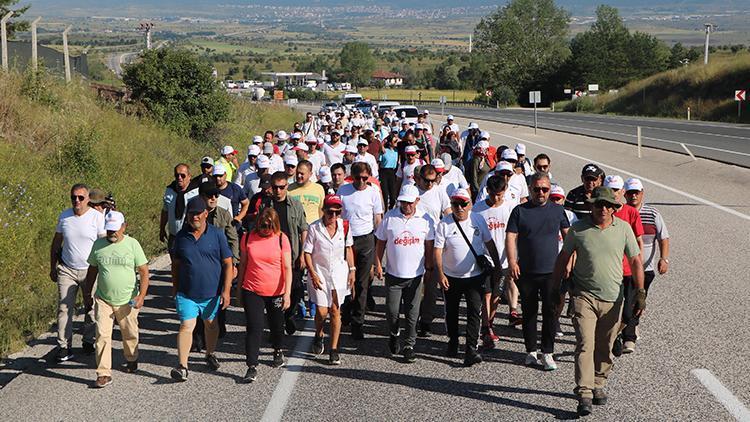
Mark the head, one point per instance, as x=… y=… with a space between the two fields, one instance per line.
x=338 y=174
x=617 y=185
x=268 y=136
x=182 y=175
x=304 y=171
x=408 y=199
x=207 y=166
x=335 y=137
x=97 y=200
x=411 y=157
x=557 y=195
x=332 y=208
x=267 y=223
x=634 y=192
x=461 y=204
x=496 y=186
x=279 y=185
x=308 y=117
x=591 y=177
x=210 y=194
x=539 y=186
x=290 y=168
x=542 y=163
x=220 y=176
x=361 y=173
x=114 y=224
x=428 y=177
x=603 y=205
x=196 y=214
x=361 y=148
x=79 y=198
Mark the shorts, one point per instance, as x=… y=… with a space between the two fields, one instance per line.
x=490 y=286
x=188 y=308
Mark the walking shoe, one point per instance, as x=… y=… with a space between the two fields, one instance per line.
x=393 y=345
x=600 y=397
x=290 y=327
x=131 y=367
x=88 y=348
x=628 y=347
x=333 y=357
x=425 y=330
x=250 y=375
x=532 y=359
x=357 y=333
x=102 y=381
x=492 y=334
x=487 y=342
x=179 y=373
x=617 y=346
x=212 y=362
x=549 y=362
x=514 y=319
x=318 y=347
x=452 y=348
x=471 y=357
x=584 y=407
x=409 y=355
x=64 y=355
x=278 y=359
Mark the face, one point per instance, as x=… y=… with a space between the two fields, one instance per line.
x=634 y=198
x=309 y=117
x=301 y=155
x=279 y=189
x=197 y=221
x=338 y=175
x=207 y=169
x=114 y=236
x=411 y=157
x=559 y=200
x=591 y=182
x=361 y=149
x=268 y=137
x=542 y=165
x=408 y=208
x=312 y=146
x=265 y=228
x=360 y=180
x=330 y=215
x=461 y=208
x=303 y=175
x=221 y=179
x=496 y=196
x=618 y=194
x=602 y=212
x=540 y=191
x=252 y=159
x=80 y=199
x=428 y=181
x=335 y=138
x=182 y=177
x=211 y=200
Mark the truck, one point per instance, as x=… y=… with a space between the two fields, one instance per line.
x=350 y=100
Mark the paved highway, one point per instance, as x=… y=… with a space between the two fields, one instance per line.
x=690 y=363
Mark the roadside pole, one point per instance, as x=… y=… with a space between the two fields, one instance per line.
x=535 y=125
x=688 y=114
x=34 y=59
x=638 y=132
x=4 y=39
x=66 y=54
x=535 y=97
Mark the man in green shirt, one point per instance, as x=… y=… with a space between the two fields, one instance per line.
x=599 y=242
x=114 y=260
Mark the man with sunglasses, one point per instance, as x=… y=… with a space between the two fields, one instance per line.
x=207 y=168
x=405 y=172
x=599 y=243
x=248 y=167
x=531 y=244
x=78 y=227
x=176 y=197
x=543 y=164
x=591 y=177
x=518 y=189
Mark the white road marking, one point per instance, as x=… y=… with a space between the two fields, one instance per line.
x=722 y=394
x=643 y=179
x=276 y=406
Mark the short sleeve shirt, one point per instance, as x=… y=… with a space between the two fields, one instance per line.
x=654 y=229
x=236 y=195
x=458 y=261
x=264 y=272
x=360 y=207
x=496 y=219
x=201 y=262
x=116 y=262
x=631 y=216
x=433 y=202
x=404 y=242
x=311 y=197
x=538 y=229
x=79 y=234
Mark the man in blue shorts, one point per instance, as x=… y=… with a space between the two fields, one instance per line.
x=201 y=259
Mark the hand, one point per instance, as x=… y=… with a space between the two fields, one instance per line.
x=234 y=272
x=379 y=271
x=663 y=266
x=237 y=220
x=444 y=282
x=162 y=235
x=301 y=264
x=287 y=302
x=53 y=274
x=225 y=300
x=515 y=270
x=316 y=281
x=640 y=302
x=568 y=270
x=174 y=291
x=138 y=301
x=351 y=279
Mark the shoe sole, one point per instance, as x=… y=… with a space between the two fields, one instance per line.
x=585 y=412
x=177 y=376
x=65 y=359
x=334 y=363
x=599 y=402
x=103 y=385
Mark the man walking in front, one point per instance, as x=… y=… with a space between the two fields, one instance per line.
x=599 y=243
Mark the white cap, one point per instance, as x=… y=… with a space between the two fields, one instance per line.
x=461 y=193
x=438 y=164
x=311 y=139
x=296 y=135
x=301 y=147
x=253 y=150
x=351 y=148
x=113 y=221
x=291 y=160
x=324 y=174
x=613 y=181
x=410 y=149
x=557 y=190
x=207 y=160
x=633 y=184
x=257 y=139
x=482 y=145
x=419 y=126
x=219 y=169
x=282 y=135
x=473 y=125
x=268 y=148
x=450 y=117
x=408 y=193
x=427 y=112
x=362 y=141
x=447 y=161
x=521 y=149
x=484 y=135
x=509 y=154
x=263 y=162
x=228 y=149
x=504 y=166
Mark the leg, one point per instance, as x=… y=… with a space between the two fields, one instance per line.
x=253 y=307
x=411 y=301
x=394 y=289
x=511 y=292
x=427 y=307
x=452 y=300
x=549 y=313
x=320 y=320
x=530 y=305
x=88 y=331
x=104 y=312
x=199 y=336
x=363 y=257
x=127 y=319
x=211 y=330
x=335 y=312
x=275 y=313
x=297 y=293
x=606 y=331
x=184 y=341
x=67 y=290
x=584 y=322
x=473 y=292
x=630 y=332
x=628 y=301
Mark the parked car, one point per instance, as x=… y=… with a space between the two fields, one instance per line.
x=230 y=84
x=408 y=113
x=350 y=100
x=328 y=106
x=383 y=106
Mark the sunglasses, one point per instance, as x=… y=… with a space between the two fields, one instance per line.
x=79 y=198
x=333 y=212
x=211 y=195
x=591 y=179
x=461 y=204
x=429 y=181
x=541 y=189
x=291 y=165
x=540 y=167
x=602 y=204
x=180 y=175
x=362 y=178
x=277 y=187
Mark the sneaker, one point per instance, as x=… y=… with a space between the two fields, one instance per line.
x=212 y=362
x=393 y=345
x=102 y=381
x=628 y=347
x=600 y=397
x=179 y=373
x=318 y=347
x=487 y=342
x=425 y=330
x=290 y=327
x=532 y=359
x=333 y=357
x=514 y=319
x=131 y=367
x=471 y=357
x=617 y=346
x=584 y=407
x=409 y=355
x=549 y=362
x=494 y=336
x=278 y=359
x=357 y=333
x=452 y=348
x=88 y=348
x=250 y=375
x=64 y=355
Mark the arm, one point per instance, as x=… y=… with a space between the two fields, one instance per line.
x=311 y=271
x=88 y=285
x=163 y=226
x=511 y=253
x=429 y=255
x=175 y=276
x=302 y=238
x=636 y=265
x=378 y=219
x=241 y=273
x=244 y=205
x=54 y=253
x=228 y=272
x=143 y=287
x=352 y=269
x=379 y=253
x=442 y=279
x=561 y=264
x=663 y=265
x=287 y=280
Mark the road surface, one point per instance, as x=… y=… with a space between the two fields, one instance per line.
x=690 y=363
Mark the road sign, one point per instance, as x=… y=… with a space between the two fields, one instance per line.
x=443 y=100
x=593 y=87
x=488 y=93
x=578 y=94
x=567 y=91
x=535 y=97
x=740 y=95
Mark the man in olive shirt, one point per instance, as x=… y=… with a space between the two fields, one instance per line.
x=599 y=243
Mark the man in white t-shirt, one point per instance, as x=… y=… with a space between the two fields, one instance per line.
x=449 y=121
x=452 y=177
x=277 y=163
x=363 y=208
x=495 y=211
x=406 y=235
x=459 y=272
x=77 y=229
x=252 y=180
x=365 y=157
x=316 y=157
x=405 y=172
x=248 y=167
x=334 y=152
x=517 y=190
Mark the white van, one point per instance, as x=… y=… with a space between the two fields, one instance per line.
x=350 y=100
x=411 y=113
x=383 y=106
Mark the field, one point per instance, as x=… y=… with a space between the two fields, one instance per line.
x=416 y=94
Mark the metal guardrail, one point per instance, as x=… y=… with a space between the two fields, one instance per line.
x=411 y=101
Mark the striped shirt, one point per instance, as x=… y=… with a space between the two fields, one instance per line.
x=576 y=202
x=654 y=229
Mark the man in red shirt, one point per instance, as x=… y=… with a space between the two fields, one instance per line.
x=631 y=216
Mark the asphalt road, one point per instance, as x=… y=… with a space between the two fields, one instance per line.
x=695 y=326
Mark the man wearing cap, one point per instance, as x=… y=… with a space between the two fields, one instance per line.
x=201 y=281
x=452 y=177
x=277 y=163
x=114 y=259
x=206 y=175
x=234 y=192
x=252 y=180
x=325 y=179
x=599 y=243
x=363 y=208
x=424 y=142
x=449 y=122
x=316 y=157
x=654 y=232
x=406 y=235
x=229 y=160
x=388 y=163
x=349 y=153
x=248 y=166
x=290 y=167
x=405 y=173
x=77 y=229
x=461 y=239
x=531 y=245
x=301 y=150
x=478 y=168
x=518 y=189
x=542 y=163
x=284 y=141
x=97 y=200
x=468 y=140
x=524 y=161
x=366 y=157
x=334 y=151
x=591 y=177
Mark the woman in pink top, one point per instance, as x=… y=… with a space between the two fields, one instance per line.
x=265 y=274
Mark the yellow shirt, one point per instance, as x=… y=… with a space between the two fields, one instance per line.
x=311 y=196
x=228 y=166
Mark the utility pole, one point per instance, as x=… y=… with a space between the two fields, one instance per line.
x=4 y=39
x=146 y=27
x=66 y=54
x=34 y=61
x=709 y=28
x=470 y=43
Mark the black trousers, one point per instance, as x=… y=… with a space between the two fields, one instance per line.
x=473 y=290
x=364 y=256
x=532 y=287
x=297 y=293
x=254 y=322
x=631 y=321
x=389 y=187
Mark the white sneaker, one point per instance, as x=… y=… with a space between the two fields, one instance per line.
x=548 y=362
x=532 y=359
x=559 y=334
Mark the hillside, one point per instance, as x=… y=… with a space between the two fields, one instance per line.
x=707 y=90
x=54 y=136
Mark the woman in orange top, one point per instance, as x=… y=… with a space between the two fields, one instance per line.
x=265 y=283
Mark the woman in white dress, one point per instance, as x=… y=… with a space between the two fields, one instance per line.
x=330 y=265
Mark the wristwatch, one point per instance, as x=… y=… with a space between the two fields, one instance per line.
x=352 y=269
x=665 y=260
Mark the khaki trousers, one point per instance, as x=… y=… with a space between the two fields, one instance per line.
x=68 y=282
x=596 y=323
x=127 y=319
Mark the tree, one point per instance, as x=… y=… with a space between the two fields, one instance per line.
x=357 y=63
x=523 y=42
x=178 y=90
x=14 y=25
x=446 y=76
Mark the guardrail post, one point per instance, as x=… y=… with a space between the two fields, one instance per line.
x=4 y=39
x=638 y=131
x=66 y=54
x=688 y=114
x=34 y=61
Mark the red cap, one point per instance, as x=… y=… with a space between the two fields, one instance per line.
x=332 y=201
